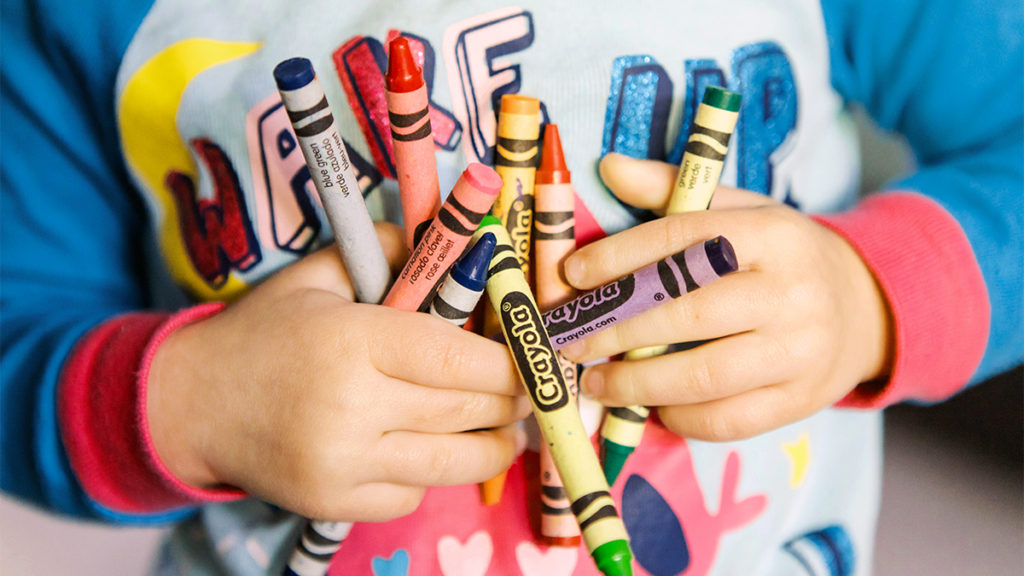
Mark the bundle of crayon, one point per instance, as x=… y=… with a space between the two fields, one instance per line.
x=699 y=171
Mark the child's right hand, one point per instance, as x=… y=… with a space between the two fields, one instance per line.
x=332 y=409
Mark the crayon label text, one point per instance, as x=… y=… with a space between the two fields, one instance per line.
x=590 y=306
x=533 y=353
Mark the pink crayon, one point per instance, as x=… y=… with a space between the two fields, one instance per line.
x=446 y=238
x=411 y=139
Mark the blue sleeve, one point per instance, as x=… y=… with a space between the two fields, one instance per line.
x=70 y=225
x=949 y=76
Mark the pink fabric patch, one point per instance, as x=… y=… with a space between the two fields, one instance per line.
x=941 y=312
x=101 y=404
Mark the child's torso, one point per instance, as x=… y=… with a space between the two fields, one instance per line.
x=209 y=147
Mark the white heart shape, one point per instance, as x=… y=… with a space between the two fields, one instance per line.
x=557 y=561
x=469 y=559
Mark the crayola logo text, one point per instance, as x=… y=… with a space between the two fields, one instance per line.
x=590 y=306
x=533 y=353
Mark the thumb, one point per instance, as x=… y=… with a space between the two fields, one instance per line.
x=648 y=184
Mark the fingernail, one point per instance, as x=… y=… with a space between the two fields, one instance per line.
x=593 y=383
x=574 y=270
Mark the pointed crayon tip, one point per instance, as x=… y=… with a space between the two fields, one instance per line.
x=471 y=271
x=552 y=168
x=613 y=459
x=614 y=558
x=403 y=73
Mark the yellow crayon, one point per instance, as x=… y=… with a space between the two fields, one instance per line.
x=515 y=160
x=706 y=147
x=555 y=410
x=699 y=171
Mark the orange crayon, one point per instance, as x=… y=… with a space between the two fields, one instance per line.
x=412 y=141
x=446 y=238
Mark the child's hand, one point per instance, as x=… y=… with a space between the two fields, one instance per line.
x=797 y=327
x=335 y=410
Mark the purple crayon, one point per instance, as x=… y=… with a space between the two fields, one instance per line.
x=631 y=295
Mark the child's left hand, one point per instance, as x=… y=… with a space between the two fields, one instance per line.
x=799 y=325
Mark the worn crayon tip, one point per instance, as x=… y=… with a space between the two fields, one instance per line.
x=294 y=73
x=721 y=255
x=613 y=459
x=722 y=98
x=483 y=178
x=471 y=271
x=552 y=169
x=614 y=558
x=491 y=489
x=403 y=73
x=519 y=104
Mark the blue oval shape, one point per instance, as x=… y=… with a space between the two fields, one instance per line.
x=655 y=534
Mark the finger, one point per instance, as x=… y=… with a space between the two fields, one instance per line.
x=434 y=411
x=615 y=256
x=737 y=303
x=370 y=502
x=649 y=184
x=741 y=416
x=324 y=269
x=425 y=350
x=728 y=198
x=641 y=183
x=392 y=241
x=448 y=459
x=712 y=371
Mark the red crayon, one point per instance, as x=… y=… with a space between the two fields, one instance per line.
x=446 y=238
x=412 y=141
x=554 y=239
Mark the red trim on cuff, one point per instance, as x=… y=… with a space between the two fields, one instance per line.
x=104 y=430
x=925 y=266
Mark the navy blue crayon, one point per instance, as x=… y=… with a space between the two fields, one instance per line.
x=462 y=289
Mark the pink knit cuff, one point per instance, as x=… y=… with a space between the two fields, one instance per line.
x=101 y=408
x=924 y=264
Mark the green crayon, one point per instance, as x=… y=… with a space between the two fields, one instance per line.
x=555 y=410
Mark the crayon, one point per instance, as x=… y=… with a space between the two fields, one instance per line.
x=554 y=238
x=459 y=294
x=515 y=159
x=412 y=141
x=699 y=172
x=555 y=410
x=633 y=294
x=318 y=543
x=492 y=488
x=445 y=239
x=335 y=180
x=706 y=147
x=354 y=235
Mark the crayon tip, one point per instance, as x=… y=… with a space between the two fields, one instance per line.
x=403 y=73
x=614 y=458
x=614 y=558
x=552 y=169
x=489 y=220
x=471 y=271
x=721 y=98
x=293 y=73
x=483 y=178
x=491 y=490
x=721 y=255
x=519 y=104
